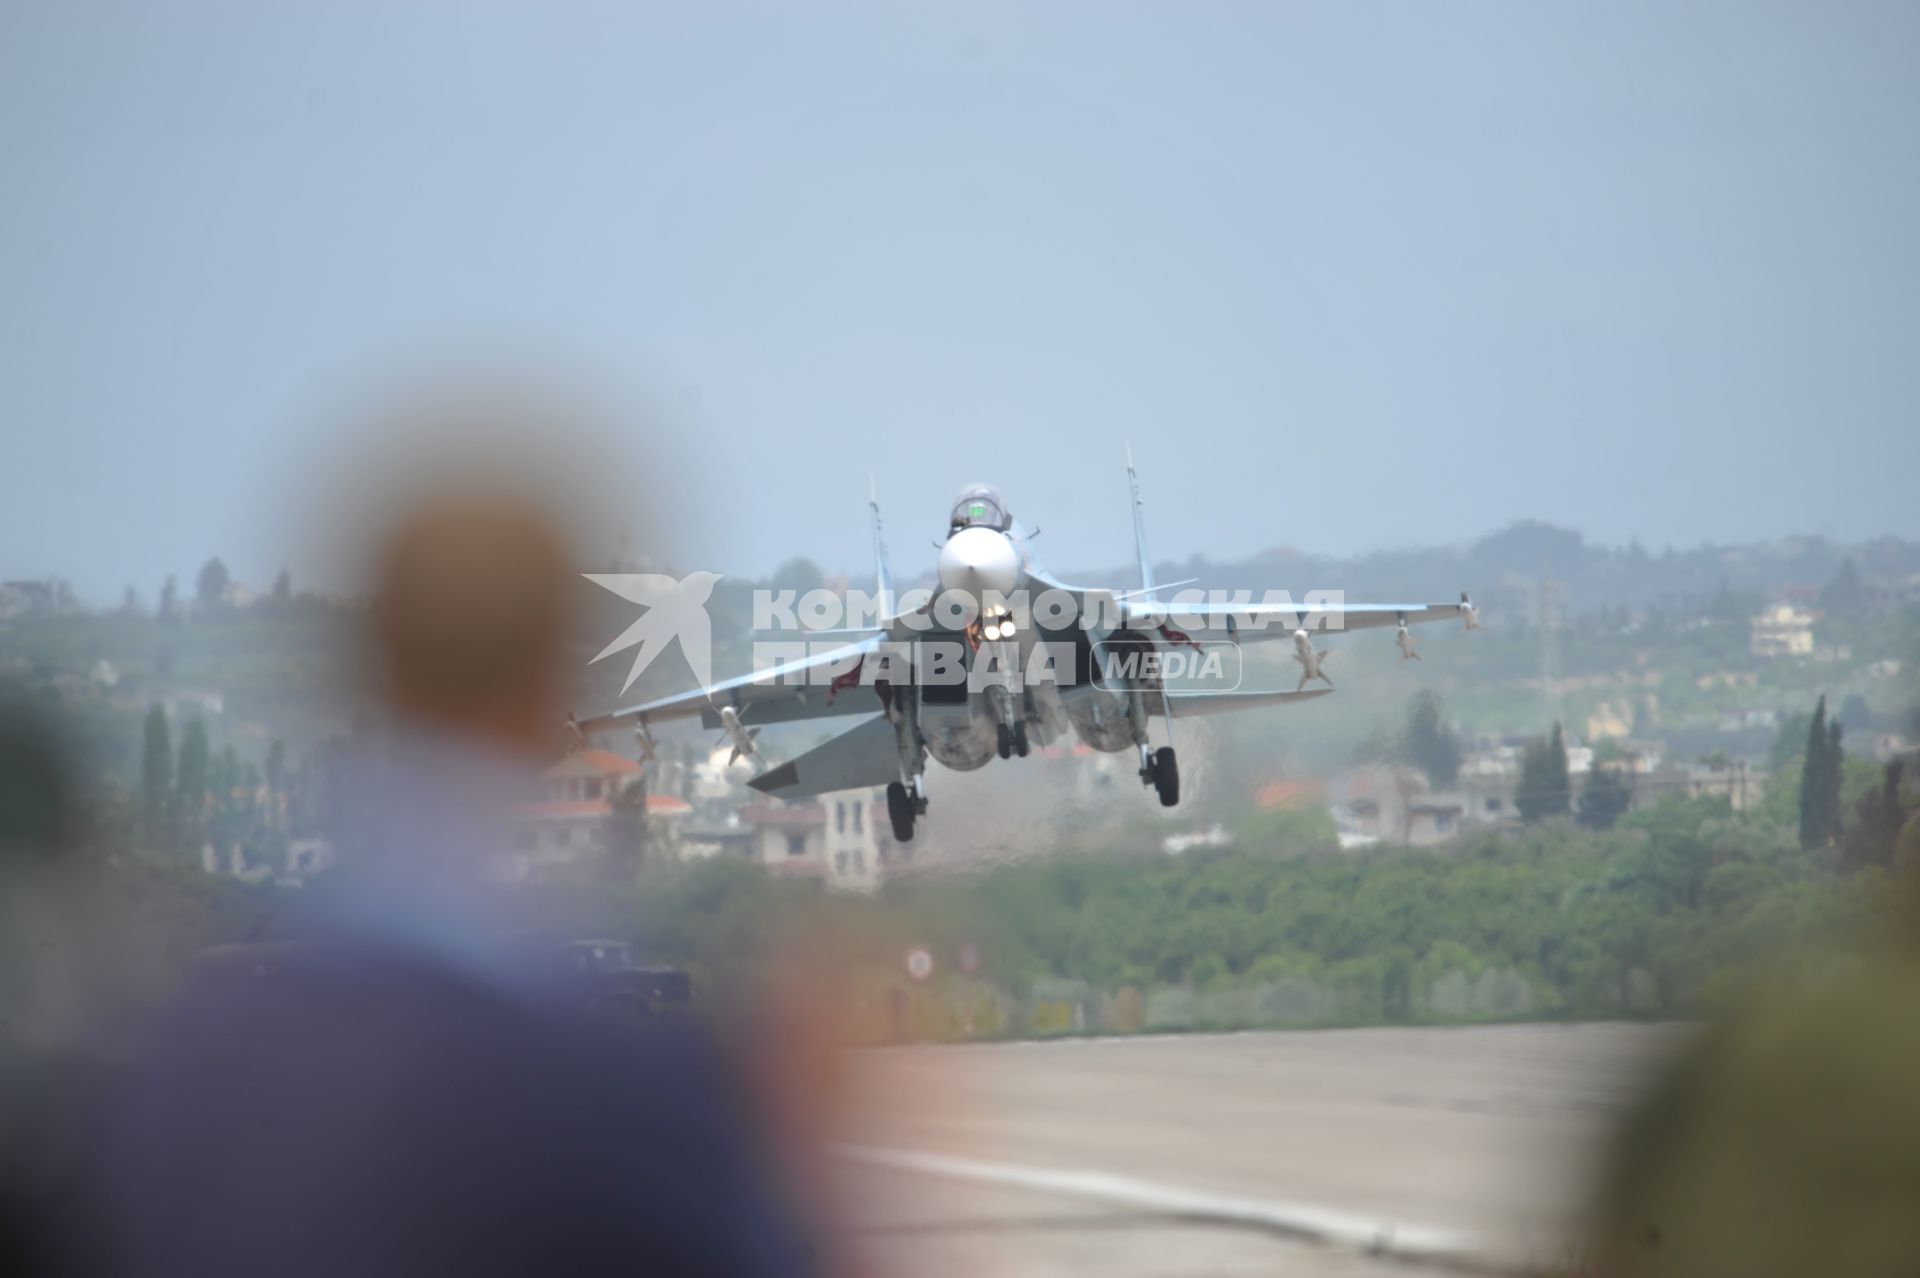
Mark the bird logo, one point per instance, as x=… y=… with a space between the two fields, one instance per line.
x=675 y=609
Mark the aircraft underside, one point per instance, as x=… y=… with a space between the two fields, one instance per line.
x=998 y=712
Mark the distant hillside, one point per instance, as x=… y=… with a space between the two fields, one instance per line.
x=1504 y=569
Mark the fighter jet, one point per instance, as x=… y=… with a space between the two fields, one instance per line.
x=1000 y=657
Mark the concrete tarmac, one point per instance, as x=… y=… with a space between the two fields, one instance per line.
x=1314 y=1152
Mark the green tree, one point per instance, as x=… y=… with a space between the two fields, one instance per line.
x=1834 y=777
x=1545 y=789
x=156 y=777
x=1430 y=744
x=169 y=600
x=1836 y=760
x=1605 y=797
x=282 y=596
x=1872 y=838
x=210 y=588
x=1819 y=778
x=190 y=789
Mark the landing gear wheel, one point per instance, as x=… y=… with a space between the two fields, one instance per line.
x=900 y=812
x=1166 y=776
x=1020 y=746
x=1004 y=742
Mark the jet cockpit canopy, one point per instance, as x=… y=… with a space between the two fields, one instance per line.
x=980 y=507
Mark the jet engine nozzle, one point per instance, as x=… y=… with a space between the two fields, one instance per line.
x=978 y=561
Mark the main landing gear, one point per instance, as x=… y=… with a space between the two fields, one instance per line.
x=907 y=797
x=1161 y=770
x=1013 y=739
x=903 y=807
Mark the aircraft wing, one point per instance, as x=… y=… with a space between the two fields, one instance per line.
x=1252 y=622
x=865 y=756
x=806 y=689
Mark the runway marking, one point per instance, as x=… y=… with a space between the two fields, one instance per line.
x=1283 y=1032
x=1309 y=1221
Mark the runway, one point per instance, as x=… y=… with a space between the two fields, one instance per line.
x=1343 y=1152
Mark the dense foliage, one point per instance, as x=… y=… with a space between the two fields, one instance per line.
x=1653 y=917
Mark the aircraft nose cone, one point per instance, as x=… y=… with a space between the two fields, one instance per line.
x=978 y=561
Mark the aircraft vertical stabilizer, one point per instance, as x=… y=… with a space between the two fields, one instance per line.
x=882 y=577
x=1139 y=528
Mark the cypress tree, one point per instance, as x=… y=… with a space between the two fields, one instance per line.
x=156 y=776
x=1875 y=832
x=1813 y=771
x=1562 y=791
x=1834 y=772
x=1605 y=799
x=1429 y=744
x=210 y=587
x=190 y=799
x=1545 y=789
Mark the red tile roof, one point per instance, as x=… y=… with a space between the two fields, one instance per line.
x=608 y=762
x=1289 y=794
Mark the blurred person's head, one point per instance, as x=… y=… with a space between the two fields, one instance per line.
x=460 y=509
x=470 y=618
x=462 y=500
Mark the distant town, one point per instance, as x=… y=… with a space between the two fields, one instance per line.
x=211 y=718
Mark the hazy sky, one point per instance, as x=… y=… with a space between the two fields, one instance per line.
x=1346 y=275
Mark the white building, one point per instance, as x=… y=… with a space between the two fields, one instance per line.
x=1782 y=631
x=842 y=840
